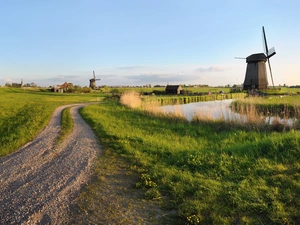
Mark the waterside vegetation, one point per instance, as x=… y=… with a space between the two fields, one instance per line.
x=284 y=106
x=208 y=171
x=185 y=99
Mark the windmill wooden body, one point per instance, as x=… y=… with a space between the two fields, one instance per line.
x=93 y=81
x=256 y=72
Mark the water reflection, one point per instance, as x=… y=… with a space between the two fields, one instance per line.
x=216 y=110
x=211 y=109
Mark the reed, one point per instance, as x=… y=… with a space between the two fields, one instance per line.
x=131 y=99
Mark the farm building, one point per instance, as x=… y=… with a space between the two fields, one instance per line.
x=61 y=88
x=17 y=84
x=173 y=89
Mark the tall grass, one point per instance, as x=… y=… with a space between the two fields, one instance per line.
x=131 y=99
x=212 y=173
x=281 y=112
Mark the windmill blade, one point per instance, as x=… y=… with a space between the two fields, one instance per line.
x=271 y=72
x=271 y=52
x=94 y=74
x=265 y=42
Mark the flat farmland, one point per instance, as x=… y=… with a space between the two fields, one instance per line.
x=25 y=112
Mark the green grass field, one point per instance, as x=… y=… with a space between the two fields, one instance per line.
x=161 y=89
x=211 y=174
x=25 y=112
x=283 y=90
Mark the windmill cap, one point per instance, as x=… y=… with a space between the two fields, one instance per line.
x=256 y=58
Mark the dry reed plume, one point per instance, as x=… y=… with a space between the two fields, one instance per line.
x=131 y=99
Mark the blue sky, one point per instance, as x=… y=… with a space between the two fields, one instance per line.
x=138 y=42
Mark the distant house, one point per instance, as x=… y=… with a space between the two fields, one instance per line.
x=173 y=89
x=62 y=88
x=17 y=84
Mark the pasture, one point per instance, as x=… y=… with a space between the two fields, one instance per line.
x=25 y=112
x=209 y=172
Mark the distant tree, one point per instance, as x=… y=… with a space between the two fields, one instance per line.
x=77 y=89
x=104 y=89
x=7 y=85
x=71 y=89
x=115 y=91
x=87 y=89
x=32 y=84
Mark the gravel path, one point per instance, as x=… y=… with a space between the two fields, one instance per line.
x=39 y=181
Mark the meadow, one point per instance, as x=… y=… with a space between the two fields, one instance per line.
x=162 y=89
x=189 y=90
x=209 y=171
x=25 y=112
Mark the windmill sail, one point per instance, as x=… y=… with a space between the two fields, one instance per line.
x=269 y=53
x=265 y=45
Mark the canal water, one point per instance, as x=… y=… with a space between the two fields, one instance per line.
x=210 y=109
x=215 y=110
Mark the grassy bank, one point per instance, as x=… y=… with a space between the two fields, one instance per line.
x=25 y=112
x=209 y=173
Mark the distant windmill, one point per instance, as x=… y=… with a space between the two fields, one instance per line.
x=256 y=72
x=93 y=81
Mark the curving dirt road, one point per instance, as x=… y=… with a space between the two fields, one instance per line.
x=39 y=181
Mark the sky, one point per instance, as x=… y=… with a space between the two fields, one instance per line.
x=140 y=42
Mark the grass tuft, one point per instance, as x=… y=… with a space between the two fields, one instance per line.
x=67 y=125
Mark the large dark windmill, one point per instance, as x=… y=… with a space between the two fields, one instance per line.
x=256 y=72
x=93 y=81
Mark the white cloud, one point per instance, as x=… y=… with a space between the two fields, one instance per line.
x=132 y=67
x=163 y=78
x=212 y=69
x=8 y=80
